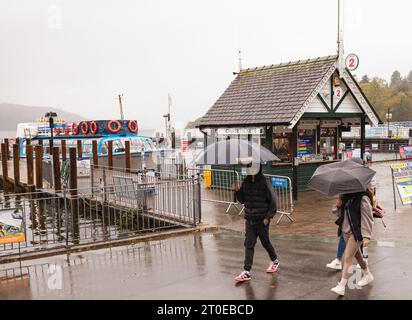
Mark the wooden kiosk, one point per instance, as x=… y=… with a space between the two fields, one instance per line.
x=297 y=109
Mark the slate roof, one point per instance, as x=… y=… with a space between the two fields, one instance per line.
x=268 y=95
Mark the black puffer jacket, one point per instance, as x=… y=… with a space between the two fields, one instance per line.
x=259 y=198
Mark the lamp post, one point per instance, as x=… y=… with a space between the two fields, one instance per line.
x=51 y=115
x=389 y=118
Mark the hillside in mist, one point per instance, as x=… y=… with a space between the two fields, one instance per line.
x=12 y=114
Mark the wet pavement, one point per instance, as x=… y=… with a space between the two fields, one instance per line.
x=202 y=266
x=313 y=215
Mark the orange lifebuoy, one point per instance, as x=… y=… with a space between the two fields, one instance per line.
x=132 y=126
x=66 y=130
x=93 y=127
x=85 y=127
x=56 y=131
x=75 y=128
x=117 y=127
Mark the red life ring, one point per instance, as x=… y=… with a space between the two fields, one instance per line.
x=132 y=126
x=117 y=127
x=56 y=131
x=75 y=128
x=93 y=127
x=85 y=127
x=66 y=130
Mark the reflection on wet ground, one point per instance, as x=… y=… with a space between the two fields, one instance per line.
x=202 y=266
x=313 y=215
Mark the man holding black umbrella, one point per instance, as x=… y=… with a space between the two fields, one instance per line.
x=259 y=200
x=256 y=193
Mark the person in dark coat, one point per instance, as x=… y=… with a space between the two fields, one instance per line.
x=355 y=223
x=259 y=200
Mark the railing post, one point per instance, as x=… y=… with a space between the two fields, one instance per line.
x=30 y=169
x=127 y=155
x=73 y=171
x=110 y=154
x=56 y=169
x=66 y=218
x=16 y=163
x=38 y=150
x=104 y=185
x=64 y=150
x=199 y=197
x=4 y=161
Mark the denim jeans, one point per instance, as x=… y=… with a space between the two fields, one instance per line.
x=341 y=247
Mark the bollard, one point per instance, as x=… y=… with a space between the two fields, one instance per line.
x=4 y=161
x=73 y=171
x=6 y=141
x=95 y=154
x=79 y=149
x=38 y=151
x=110 y=154
x=30 y=169
x=127 y=155
x=16 y=163
x=56 y=169
x=64 y=150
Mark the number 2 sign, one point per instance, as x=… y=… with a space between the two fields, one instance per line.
x=339 y=93
x=352 y=62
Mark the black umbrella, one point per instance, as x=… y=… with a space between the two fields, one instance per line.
x=341 y=178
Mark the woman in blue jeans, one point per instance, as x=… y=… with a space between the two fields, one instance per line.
x=337 y=263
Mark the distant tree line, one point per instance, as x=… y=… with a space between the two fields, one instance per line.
x=396 y=95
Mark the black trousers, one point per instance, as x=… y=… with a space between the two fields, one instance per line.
x=253 y=231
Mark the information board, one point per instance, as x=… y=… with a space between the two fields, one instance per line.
x=402 y=178
x=11 y=226
x=405 y=152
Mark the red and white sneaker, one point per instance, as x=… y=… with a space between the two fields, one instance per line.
x=273 y=267
x=244 y=276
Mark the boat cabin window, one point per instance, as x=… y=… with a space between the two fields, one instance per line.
x=136 y=145
x=87 y=146
x=117 y=146
x=282 y=146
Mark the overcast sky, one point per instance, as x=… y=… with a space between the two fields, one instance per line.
x=79 y=54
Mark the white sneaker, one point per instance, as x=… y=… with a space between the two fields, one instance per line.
x=358 y=266
x=339 y=290
x=366 y=279
x=335 y=265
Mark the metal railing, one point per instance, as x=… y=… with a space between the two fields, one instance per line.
x=85 y=216
x=101 y=176
x=284 y=196
x=217 y=185
x=171 y=167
